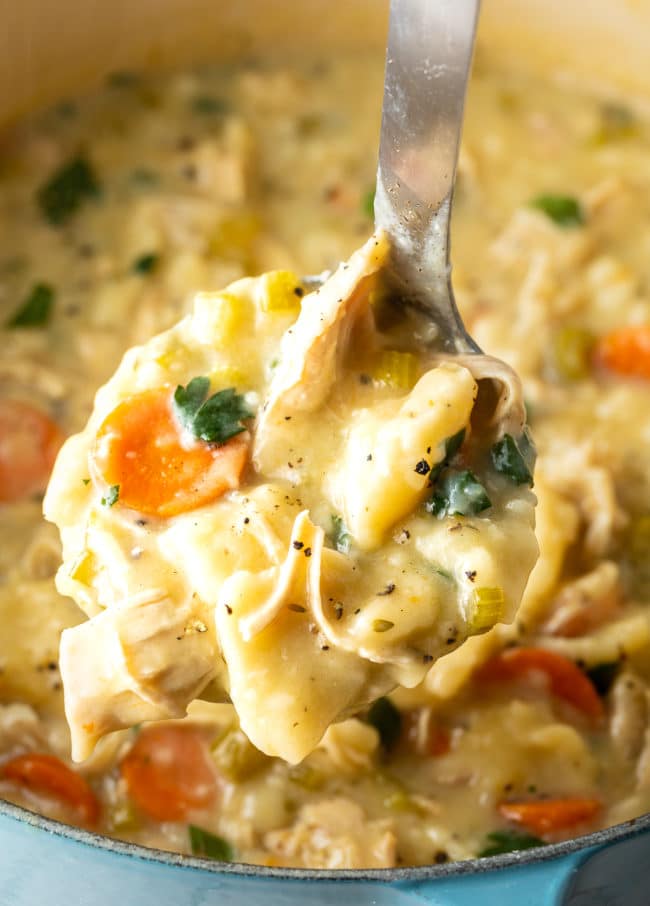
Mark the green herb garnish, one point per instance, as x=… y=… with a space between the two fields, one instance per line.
x=209 y=846
x=368 y=204
x=36 y=309
x=340 y=536
x=112 y=496
x=208 y=105
x=499 y=842
x=215 y=419
x=458 y=494
x=146 y=263
x=452 y=446
x=387 y=721
x=141 y=176
x=563 y=210
x=509 y=458
x=64 y=192
x=602 y=676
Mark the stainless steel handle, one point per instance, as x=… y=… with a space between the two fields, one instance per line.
x=428 y=60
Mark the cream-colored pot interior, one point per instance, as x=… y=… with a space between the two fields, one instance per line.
x=49 y=49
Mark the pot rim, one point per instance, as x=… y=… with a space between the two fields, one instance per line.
x=535 y=855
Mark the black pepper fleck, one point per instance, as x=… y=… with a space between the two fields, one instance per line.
x=422 y=467
x=307 y=552
x=390 y=588
x=298 y=545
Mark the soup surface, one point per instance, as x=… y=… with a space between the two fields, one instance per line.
x=116 y=210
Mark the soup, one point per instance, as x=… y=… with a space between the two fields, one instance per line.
x=118 y=209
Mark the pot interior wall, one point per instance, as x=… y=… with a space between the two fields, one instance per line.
x=53 y=49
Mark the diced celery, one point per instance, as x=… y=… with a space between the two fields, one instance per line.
x=229 y=315
x=306 y=776
x=488 y=607
x=572 y=347
x=616 y=124
x=123 y=817
x=397 y=369
x=399 y=801
x=281 y=292
x=228 y=376
x=83 y=568
x=236 y=757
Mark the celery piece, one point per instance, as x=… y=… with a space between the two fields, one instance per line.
x=236 y=757
x=488 y=606
x=397 y=369
x=572 y=347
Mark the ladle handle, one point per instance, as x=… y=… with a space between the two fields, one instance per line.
x=428 y=59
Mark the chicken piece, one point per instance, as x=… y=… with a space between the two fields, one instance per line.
x=587 y=602
x=311 y=350
x=628 y=719
x=351 y=746
x=144 y=660
x=334 y=834
x=575 y=472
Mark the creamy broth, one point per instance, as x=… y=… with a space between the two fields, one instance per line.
x=201 y=178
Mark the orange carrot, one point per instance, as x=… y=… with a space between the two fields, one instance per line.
x=565 y=680
x=29 y=442
x=49 y=776
x=625 y=351
x=548 y=815
x=169 y=772
x=141 y=448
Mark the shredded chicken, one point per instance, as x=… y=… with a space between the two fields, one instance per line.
x=335 y=833
x=587 y=602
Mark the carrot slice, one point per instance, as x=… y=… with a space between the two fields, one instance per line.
x=160 y=472
x=169 y=772
x=48 y=775
x=566 y=681
x=625 y=351
x=29 y=442
x=547 y=815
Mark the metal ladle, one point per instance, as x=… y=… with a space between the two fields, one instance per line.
x=428 y=60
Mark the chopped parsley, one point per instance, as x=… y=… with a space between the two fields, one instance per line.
x=112 y=496
x=508 y=458
x=214 y=419
x=563 y=210
x=66 y=190
x=208 y=105
x=387 y=721
x=209 y=846
x=508 y=841
x=602 y=676
x=458 y=494
x=368 y=204
x=36 y=309
x=146 y=263
x=339 y=534
x=452 y=446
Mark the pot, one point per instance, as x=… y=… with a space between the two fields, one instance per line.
x=50 y=50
